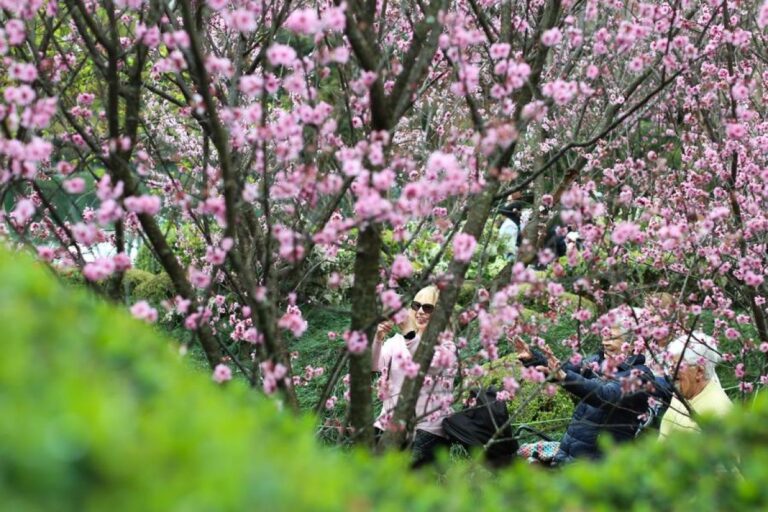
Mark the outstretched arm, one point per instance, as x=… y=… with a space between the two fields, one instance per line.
x=383 y=329
x=595 y=392
x=525 y=354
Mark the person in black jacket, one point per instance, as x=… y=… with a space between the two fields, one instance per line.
x=614 y=399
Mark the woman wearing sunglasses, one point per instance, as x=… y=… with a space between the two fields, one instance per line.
x=394 y=359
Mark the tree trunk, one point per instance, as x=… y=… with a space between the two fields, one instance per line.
x=364 y=314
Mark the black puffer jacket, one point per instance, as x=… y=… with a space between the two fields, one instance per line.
x=604 y=408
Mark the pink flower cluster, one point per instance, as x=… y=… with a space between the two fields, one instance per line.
x=625 y=232
x=86 y=234
x=464 y=246
x=217 y=255
x=511 y=386
x=24 y=211
x=22 y=71
x=390 y=300
x=561 y=91
x=199 y=279
x=147 y=204
x=312 y=373
x=281 y=55
x=222 y=373
x=291 y=248
x=242 y=20
x=271 y=374
x=551 y=37
x=762 y=16
x=409 y=367
x=293 y=321
x=99 y=269
x=356 y=341
x=307 y=22
x=304 y=21
x=74 y=185
x=143 y=311
x=445 y=356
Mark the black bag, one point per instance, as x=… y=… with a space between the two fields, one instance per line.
x=476 y=425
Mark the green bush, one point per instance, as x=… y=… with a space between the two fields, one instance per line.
x=155 y=289
x=531 y=406
x=70 y=276
x=146 y=261
x=98 y=412
x=134 y=277
x=466 y=293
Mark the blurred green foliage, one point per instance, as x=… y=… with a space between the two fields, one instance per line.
x=97 y=411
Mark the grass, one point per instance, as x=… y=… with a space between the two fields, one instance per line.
x=316 y=349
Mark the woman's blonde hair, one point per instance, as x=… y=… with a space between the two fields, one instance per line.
x=429 y=295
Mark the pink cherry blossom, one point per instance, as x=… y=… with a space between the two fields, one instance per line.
x=122 y=262
x=561 y=91
x=216 y=5
x=242 y=20
x=281 y=55
x=22 y=72
x=74 y=185
x=24 y=211
x=198 y=278
x=740 y=91
x=410 y=368
x=753 y=279
x=499 y=50
x=293 y=321
x=15 y=32
x=222 y=373
x=762 y=16
x=148 y=204
x=626 y=232
x=390 y=300
x=582 y=315
x=356 y=341
x=401 y=267
x=46 y=253
x=464 y=246
x=99 y=269
x=143 y=311
x=333 y=18
x=303 y=21
x=735 y=131
x=551 y=37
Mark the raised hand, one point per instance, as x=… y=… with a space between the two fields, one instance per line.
x=383 y=329
x=523 y=350
x=553 y=363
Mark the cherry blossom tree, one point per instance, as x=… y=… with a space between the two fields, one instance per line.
x=279 y=133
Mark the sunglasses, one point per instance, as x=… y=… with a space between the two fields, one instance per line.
x=427 y=308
